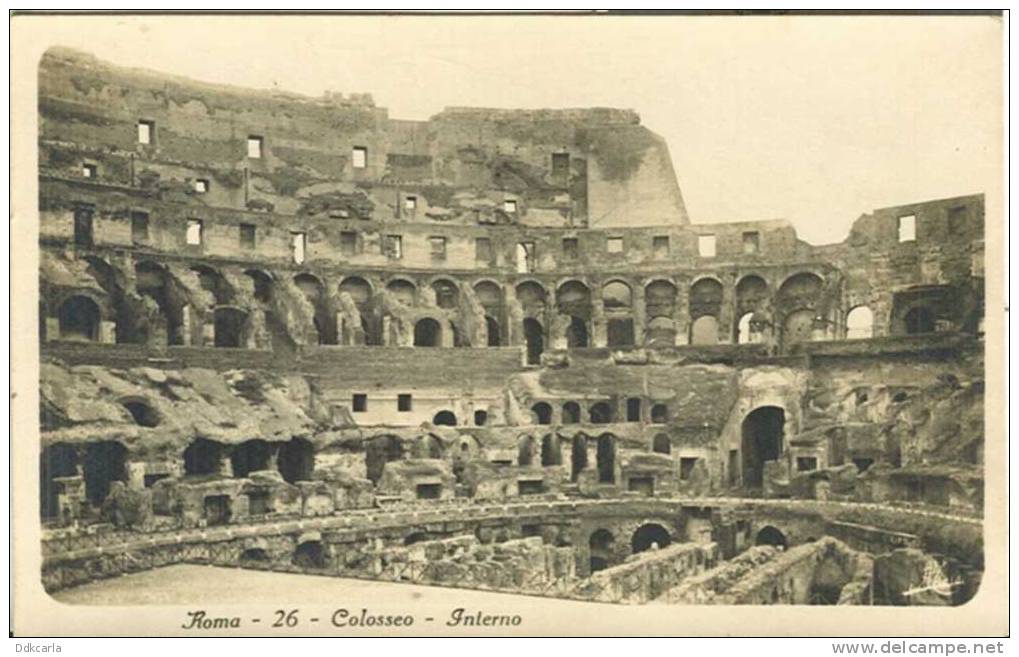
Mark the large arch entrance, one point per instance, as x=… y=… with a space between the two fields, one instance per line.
x=763 y=431
x=771 y=536
x=427 y=333
x=651 y=534
x=534 y=336
x=600 y=545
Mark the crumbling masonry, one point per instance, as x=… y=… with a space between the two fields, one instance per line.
x=487 y=349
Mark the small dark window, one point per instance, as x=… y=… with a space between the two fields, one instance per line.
x=633 y=409
x=83 y=226
x=560 y=163
x=751 y=242
x=348 y=242
x=360 y=402
x=530 y=487
x=438 y=247
x=480 y=418
x=429 y=491
x=247 y=232
x=571 y=248
x=805 y=463
x=660 y=245
x=686 y=466
x=659 y=414
x=403 y=403
x=483 y=250
x=139 y=227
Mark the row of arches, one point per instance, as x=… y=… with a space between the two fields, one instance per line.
x=603 y=412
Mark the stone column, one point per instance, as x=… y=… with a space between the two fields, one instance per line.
x=639 y=316
x=107 y=332
x=682 y=311
x=387 y=338
x=599 y=332
x=135 y=474
x=727 y=311
x=52 y=328
x=208 y=334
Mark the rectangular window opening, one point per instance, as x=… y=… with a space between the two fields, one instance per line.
x=525 y=257
x=410 y=203
x=146 y=132
x=255 y=144
x=660 y=245
x=194 y=232
x=907 y=228
x=89 y=171
x=139 y=227
x=483 y=250
x=360 y=402
x=348 y=242
x=359 y=157
x=247 y=234
x=509 y=206
x=404 y=403
x=571 y=248
x=201 y=185
x=394 y=247
x=615 y=245
x=805 y=463
x=299 y=245
x=751 y=242
x=686 y=466
x=438 y=247
x=560 y=163
x=706 y=246
x=957 y=218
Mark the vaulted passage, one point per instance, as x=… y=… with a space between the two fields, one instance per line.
x=296 y=460
x=104 y=464
x=251 y=456
x=380 y=451
x=534 y=336
x=203 y=457
x=651 y=535
x=427 y=333
x=771 y=536
x=79 y=319
x=578 y=457
x=763 y=430
x=606 y=457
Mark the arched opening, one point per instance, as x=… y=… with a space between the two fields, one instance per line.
x=798 y=327
x=170 y=296
x=213 y=282
x=616 y=295
x=661 y=444
x=531 y=295
x=661 y=332
x=534 y=335
x=296 y=460
x=659 y=414
x=918 y=320
x=444 y=419
x=427 y=333
x=56 y=462
x=323 y=319
x=551 y=453
x=600 y=546
x=403 y=291
x=601 y=413
x=771 y=536
x=859 y=323
x=261 y=285
x=488 y=293
x=447 y=294
x=309 y=554
x=762 y=440
x=203 y=457
x=660 y=298
x=142 y=412
x=229 y=323
x=251 y=456
x=429 y=446
x=416 y=537
x=648 y=536
x=104 y=464
x=578 y=457
x=493 y=331
x=542 y=413
x=571 y=413
x=704 y=330
x=254 y=555
x=576 y=334
x=79 y=319
x=525 y=450
x=360 y=290
x=744 y=334
x=380 y=451
x=606 y=458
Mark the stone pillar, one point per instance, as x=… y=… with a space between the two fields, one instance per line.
x=387 y=338
x=107 y=332
x=135 y=474
x=599 y=333
x=639 y=316
x=682 y=312
x=341 y=333
x=185 y=325
x=727 y=311
x=52 y=328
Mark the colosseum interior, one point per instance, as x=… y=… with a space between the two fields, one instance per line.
x=486 y=350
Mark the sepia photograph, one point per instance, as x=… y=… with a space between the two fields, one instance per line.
x=508 y=324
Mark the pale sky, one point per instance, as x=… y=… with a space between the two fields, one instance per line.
x=812 y=119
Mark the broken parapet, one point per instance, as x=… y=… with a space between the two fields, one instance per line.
x=648 y=576
x=704 y=587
